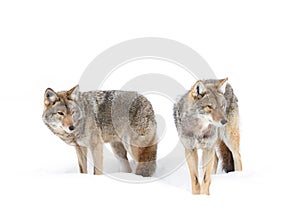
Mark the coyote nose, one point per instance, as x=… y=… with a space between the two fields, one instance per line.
x=71 y=128
x=223 y=121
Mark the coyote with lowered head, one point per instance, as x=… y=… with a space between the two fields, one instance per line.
x=207 y=118
x=87 y=120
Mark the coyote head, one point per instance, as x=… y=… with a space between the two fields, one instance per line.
x=61 y=111
x=209 y=102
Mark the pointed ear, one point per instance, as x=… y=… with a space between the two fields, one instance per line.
x=73 y=93
x=198 y=89
x=50 y=96
x=222 y=85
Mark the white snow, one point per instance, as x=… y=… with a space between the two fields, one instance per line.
x=256 y=45
x=40 y=178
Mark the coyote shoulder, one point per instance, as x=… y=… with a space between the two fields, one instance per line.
x=207 y=118
x=87 y=120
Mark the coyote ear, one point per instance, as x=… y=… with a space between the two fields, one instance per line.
x=198 y=88
x=50 y=96
x=73 y=93
x=222 y=85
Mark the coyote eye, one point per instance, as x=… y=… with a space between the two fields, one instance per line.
x=60 y=113
x=209 y=107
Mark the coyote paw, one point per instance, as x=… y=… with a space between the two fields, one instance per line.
x=204 y=192
x=196 y=189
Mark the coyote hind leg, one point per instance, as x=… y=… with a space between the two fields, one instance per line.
x=233 y=143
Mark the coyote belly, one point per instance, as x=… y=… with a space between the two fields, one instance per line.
x=207 y=118
x=87 y=120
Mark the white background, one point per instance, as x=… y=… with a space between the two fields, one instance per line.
x=49 y=44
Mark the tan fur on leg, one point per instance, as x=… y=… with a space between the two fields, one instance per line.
x=235 y=140
x=82 y=158
x=207 y=165
x=234 y=146
x=121 y=154
x=145 y=158
x=97 y=153
x=215 y=166
x=192 y=160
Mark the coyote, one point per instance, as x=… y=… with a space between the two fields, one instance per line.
x=207 y=117
x=87 y=120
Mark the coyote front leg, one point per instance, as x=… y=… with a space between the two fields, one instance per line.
x=207 y=166
x=121 y=154
x=97 y=153
x=82 y=158
x=191 y=156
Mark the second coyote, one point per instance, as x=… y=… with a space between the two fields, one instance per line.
x=207 y=117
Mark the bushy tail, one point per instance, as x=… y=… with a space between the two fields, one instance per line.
x=227 y=158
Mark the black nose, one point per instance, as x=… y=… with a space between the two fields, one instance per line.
x=223 y=121
x=71 y=128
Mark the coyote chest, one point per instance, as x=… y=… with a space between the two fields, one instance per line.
x=205 y=134
x=197 y=132
x=207 y=138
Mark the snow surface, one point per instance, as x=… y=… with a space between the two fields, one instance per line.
x=45 y=45
x=40 y=177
